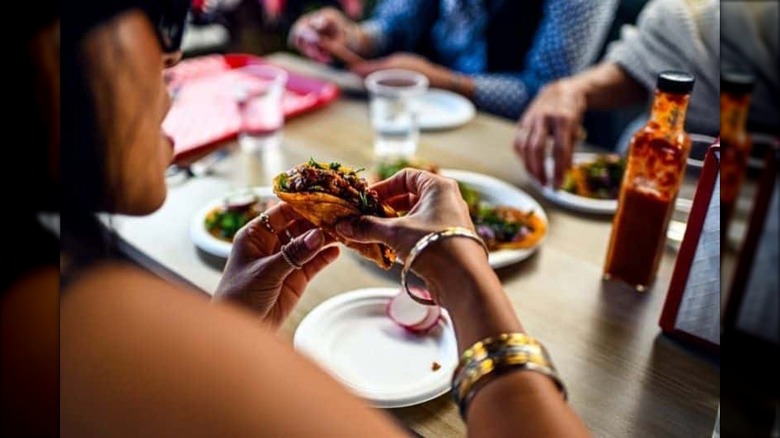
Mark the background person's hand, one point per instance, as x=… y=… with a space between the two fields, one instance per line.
x=257 y=275
x=554 y=116
x=433 y=203
x=437 y=75
x=315 y=33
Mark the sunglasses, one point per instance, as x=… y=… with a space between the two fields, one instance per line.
x=168 y=18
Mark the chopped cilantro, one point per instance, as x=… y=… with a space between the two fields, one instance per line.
x=363 y=201
x=335 y=166
x=283 y=182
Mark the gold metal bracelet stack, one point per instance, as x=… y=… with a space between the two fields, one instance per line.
x=492 y=357
x=423 y=243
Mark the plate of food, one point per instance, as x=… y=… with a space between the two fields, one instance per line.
x=356 y=337
x=592 y=185
x=511 y=222
x=214 y=226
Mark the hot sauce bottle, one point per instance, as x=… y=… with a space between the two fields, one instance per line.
x=654 y=171
x=735 y=143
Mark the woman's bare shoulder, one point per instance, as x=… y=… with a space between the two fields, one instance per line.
x=120 y=290
x=113 y=278
x=144 y=357
x=126 y=298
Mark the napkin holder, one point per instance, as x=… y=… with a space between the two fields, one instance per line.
x=691 y=312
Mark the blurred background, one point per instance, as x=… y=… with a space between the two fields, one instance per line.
x=261 y=27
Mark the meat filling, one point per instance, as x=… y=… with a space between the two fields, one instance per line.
x=336 y=181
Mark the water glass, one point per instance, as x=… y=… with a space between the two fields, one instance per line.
x=394 y=96
x=259 y=90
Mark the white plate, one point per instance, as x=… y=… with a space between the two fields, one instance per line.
x=352 y=338
x=570 y=200
x=442 y=109
x=498 y=192
x=203 y=239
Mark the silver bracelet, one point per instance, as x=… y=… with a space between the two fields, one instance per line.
x=423 y=243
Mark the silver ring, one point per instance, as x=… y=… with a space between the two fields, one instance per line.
x=287 y=257
x=266 y=221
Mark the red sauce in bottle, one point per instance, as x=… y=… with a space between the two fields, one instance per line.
x=654 y=172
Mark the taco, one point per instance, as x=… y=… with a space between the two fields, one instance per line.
x=503 y=227
x=325 y=193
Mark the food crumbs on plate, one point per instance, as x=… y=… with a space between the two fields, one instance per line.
x=435 y=366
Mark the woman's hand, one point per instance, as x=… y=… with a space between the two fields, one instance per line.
x=257 y=274
x=555 y=116
x=433 y=203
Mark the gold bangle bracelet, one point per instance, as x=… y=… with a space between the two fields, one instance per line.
x=426 y=241
x=495 y=356
x=509 y=354
x=482 y=348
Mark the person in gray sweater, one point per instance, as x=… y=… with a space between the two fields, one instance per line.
x=670 y=34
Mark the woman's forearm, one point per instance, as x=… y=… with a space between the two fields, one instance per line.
x=523 y=403
x=467 y=287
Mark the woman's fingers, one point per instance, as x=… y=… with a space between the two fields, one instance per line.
x=294 y=254
x=365 y=229
x=403 y=202
x=320 y=262
x=406 y=181
x=269 y=228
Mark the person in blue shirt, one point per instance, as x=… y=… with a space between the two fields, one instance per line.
x=498 y=53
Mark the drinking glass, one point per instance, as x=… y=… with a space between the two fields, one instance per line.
x=394 y=106
x=259 y=91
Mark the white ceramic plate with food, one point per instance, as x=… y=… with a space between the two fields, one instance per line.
x=497 y=192
x=351 y=337
x=573 y=201
x=204 y=239
x=442 y=109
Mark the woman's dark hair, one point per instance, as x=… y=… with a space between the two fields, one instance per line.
x=85 y=183
x=83 y=156
x=32 y=189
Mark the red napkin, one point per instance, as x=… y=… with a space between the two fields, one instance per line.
x=205 y=111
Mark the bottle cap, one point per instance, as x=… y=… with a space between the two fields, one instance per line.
x=736 y=82
x=676 y=82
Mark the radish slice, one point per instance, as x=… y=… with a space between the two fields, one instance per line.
x=411 y=315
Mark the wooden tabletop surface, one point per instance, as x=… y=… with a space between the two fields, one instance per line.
x=624 y=377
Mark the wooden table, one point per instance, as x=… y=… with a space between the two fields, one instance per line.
x=624 y=377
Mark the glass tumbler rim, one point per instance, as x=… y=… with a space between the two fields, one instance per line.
x=419 y=82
